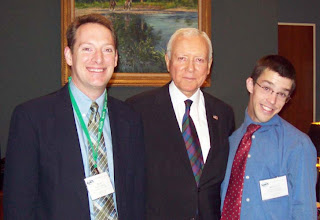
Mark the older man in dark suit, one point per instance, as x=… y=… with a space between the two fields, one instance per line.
x=186 y=134
x=77 y=137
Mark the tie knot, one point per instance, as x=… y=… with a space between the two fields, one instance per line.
x=94 y=107
x=188 y=103
x=253 y=128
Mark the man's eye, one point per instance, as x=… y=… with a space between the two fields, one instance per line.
x=86 y=49
x=282 y=95
x=267 y=89
x=181 y=58
x=200 y=60
x=109 y=50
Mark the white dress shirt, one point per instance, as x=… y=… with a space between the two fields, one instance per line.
x=197 y=113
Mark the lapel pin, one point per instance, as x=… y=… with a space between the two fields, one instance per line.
x=215 y=117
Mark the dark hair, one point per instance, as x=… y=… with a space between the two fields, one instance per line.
x=277 y=64
x=89 y=18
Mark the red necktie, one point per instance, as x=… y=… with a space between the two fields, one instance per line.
x=232 y=203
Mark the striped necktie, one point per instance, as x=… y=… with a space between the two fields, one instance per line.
x=191 y=140
x=104 y=208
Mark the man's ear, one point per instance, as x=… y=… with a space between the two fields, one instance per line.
x=116 y=59
x=68 y=55
x=249 y=83
x=209 y=66
x=167 y=62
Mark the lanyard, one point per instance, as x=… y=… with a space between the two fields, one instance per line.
x=84 y=126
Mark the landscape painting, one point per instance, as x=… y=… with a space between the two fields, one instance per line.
x=143 y=28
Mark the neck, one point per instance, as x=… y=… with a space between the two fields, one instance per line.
x=92 y=93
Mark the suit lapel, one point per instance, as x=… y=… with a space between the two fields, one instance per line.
x=116 y=122
x=168 y=124
x=69 y=150
x=120 y=128
x=213 y=120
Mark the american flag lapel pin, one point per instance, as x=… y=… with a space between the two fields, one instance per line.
x=215 y=117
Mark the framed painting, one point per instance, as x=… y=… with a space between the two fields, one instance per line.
x=141 y=61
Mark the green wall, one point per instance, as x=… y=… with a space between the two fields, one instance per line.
x=30 y=56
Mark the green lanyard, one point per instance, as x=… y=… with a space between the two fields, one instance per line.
x=84 y=126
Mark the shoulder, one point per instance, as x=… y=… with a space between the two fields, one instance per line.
x=221 y=109
x=43 y=103
x=121 y=109
x=216 y=103
x=151 y=99
x=147 y=96
x=294 y=135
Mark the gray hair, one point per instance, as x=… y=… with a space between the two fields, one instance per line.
x=188 y=32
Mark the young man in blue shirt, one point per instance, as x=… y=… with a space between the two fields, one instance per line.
x=278 y=174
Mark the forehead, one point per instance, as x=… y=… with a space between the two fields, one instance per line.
x=275 y=80
x=93 y=31
x=190 y=44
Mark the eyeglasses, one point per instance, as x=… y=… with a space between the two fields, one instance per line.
x=268 y=91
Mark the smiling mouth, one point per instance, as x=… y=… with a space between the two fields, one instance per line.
x=266 y=109
x=97 y=70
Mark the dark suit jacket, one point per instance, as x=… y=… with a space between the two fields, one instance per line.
x=44 y=174
x=172 y=193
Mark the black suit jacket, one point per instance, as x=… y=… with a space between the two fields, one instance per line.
x=172 y=193
x=44 y=174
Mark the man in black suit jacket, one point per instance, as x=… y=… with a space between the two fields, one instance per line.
x=172 y=192
x=45 y=166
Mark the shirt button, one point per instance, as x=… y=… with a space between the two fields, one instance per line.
x=248 y=200
x=83 y=115
x=253 y=136
x=192 y=218
x=247 y=177
x=249 y=155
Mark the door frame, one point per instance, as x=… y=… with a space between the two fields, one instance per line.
x=314 y=60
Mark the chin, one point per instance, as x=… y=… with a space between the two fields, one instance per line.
x=99 y=85
x=264 y=119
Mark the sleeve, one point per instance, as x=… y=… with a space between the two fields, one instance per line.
x=21 y=168
x=302 y=180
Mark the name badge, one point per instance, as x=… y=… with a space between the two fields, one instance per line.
x=99 y=185
x=274 y=188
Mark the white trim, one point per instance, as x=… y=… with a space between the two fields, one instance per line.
x=297 y=24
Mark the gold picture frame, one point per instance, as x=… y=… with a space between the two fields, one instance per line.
x=130 y=79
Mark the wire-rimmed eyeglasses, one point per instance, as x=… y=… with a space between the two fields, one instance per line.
x=282 y=96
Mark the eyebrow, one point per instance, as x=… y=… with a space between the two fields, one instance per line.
x=272 y=84
x=93 y=44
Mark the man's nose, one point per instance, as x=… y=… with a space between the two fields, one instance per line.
x=272 y=97
x=190 y=65
x=97 y=57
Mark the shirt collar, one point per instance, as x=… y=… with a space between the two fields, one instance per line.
x=274 y=121
x=178 y=97
x=83 y=101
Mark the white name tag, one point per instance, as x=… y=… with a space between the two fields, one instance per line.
x=274 y=188
x=99 y=185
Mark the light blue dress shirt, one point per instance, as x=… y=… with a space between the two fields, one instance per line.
x=277 y=149
x=84 y=104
